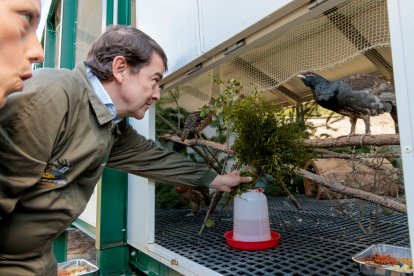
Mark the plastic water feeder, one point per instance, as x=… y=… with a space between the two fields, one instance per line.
x=251 y=229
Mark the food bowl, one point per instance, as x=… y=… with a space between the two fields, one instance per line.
x=77 y=267
x=368 y=268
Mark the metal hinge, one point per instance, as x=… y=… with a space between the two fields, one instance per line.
x=235 y=46
x=195 y=68
x=315 y=3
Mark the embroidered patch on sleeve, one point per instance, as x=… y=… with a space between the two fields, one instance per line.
x=55 y=173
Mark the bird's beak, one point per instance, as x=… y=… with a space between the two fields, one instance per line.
x=301 y=76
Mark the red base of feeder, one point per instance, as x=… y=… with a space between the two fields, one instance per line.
x=258 y=245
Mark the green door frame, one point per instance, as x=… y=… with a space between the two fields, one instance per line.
x=49 y=44
x=112 y=250
x=67 y=57
x=68 y=44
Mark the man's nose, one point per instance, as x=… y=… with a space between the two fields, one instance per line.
x=157 y=94
x=34 y=50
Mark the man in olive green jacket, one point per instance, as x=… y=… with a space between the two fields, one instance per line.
x=57 y=136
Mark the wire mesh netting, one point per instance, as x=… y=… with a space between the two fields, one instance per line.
x=314 y=241
x=333 y=38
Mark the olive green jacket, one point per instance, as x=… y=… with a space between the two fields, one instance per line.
x=56 y=137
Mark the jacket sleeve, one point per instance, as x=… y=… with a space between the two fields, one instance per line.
x=29 y=126
x=135 y=154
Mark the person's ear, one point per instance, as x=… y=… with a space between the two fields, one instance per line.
x=119 y=68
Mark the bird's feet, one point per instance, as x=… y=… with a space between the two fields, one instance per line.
x=194 y=213
x=362 y=136
x=347 y=136
x=342 y=136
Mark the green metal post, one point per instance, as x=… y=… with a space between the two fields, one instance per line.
x=113 y=252
x=67 y=52
x=109 y=12
x=50 y=42
x=124 y=12
x=60 y=248
x=67 y=60
x=150 y=266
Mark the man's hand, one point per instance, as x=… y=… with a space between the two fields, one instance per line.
x=226 y=182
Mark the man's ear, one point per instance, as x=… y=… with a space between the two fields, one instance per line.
x=119 y=68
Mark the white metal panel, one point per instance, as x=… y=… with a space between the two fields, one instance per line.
x=186 y=29
x=141 y=193
x=222 y=20
x=89 y=214
x=400 y=13
x=174 y=25
x=181 y=264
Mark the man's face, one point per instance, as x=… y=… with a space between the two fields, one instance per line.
x=140 y=89
x=19 y=46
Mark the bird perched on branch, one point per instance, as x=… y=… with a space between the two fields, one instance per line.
x=195 y=196
x=195 y=122
x=357 y=96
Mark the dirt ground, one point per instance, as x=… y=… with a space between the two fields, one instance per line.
x=80 y=246
x=382 y=124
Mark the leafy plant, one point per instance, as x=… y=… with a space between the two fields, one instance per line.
x=265 y=140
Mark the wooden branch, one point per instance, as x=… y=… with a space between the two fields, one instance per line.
x=331 y=154
x=216 y=198
x=198 y=142
x=385 y=139
x=356 y=140
x=363 y=158
x=339 y=188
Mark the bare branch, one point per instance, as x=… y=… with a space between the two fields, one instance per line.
x=331 y=185
x=198 y=142
x=365 y=140
x=356 y=193
x=356 y=140
x=331 y=154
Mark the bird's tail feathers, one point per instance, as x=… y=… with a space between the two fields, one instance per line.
x=393 y=113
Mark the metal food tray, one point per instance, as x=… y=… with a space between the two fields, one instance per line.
x=92 y=269
x=382 y=249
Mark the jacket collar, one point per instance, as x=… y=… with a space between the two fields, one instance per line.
x=101 y=112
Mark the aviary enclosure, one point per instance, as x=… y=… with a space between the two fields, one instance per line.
x=332 y=208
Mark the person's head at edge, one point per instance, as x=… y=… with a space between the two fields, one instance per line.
x=130 y=66
x=19 y=46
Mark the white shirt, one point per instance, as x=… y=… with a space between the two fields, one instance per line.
x=102 y=94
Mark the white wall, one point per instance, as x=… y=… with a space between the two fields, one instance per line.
x=400 y=14
x=186 y=29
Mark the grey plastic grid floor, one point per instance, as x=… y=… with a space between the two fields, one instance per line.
x=314 y=240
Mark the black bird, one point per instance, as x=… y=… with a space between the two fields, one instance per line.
x=357 y=96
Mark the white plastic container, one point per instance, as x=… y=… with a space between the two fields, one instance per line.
x=251 y=217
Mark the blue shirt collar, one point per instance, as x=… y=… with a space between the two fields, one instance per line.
x=102 y=94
